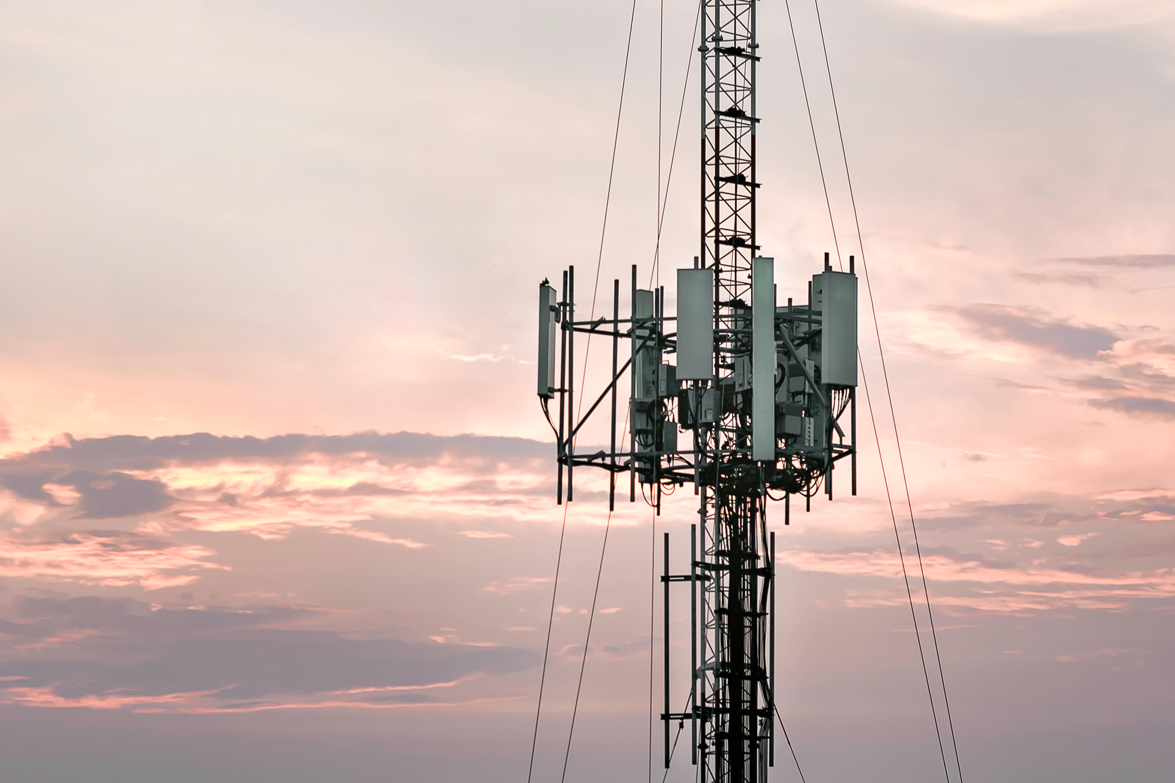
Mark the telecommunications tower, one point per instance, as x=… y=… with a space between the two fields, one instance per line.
x=762 y=387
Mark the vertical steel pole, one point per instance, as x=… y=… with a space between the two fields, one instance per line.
x=693 y=641
x=658 y=422
x=704 y=120
x=632 y=397
x=562 y=386
x=660 y=334
x=755 y=653
x=665 y=631
x=828 y=469
x=615 y=380
x=754 y=125
x=704 y=694
x=771 y=673
x=853 y=431
x=570 y=381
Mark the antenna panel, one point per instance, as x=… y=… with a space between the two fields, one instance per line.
x=547 y=311
x=834 y=294
x=763 y=360
x=695 y=324
x=646 y=359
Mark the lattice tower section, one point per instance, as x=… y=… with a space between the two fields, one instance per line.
x=733 y=692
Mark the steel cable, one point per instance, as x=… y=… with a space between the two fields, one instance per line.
x=676 y=135
x=815 y=142
x=789 y=745
x=587 y=349
x=586 y=646
x=812 y=125
x=889 y=395
x=547 y=649
x=905 y=575
x=608 y=193
x=654 y=274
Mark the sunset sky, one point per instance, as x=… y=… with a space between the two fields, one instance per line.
x=276 y=495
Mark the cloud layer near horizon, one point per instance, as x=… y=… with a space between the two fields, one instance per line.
x=266 y=487
x=122 y=512
x=100 y=653
x=118 y=512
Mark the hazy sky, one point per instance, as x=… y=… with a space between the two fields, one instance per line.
x=276 y=496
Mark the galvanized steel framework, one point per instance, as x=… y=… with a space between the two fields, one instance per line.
x=733 y=695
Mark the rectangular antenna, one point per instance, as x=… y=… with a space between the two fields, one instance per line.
x=763 y=360
x=645 y=362
x=695 y=324
x=835 y=296
x=546 y=341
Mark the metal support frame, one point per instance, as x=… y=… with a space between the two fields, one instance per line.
x=732 y=571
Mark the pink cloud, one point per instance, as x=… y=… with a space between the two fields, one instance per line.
x=206 y=702
x=340 y=493
x=515 y=584
x=1006 y=588
x=1076 y=539
x=106 y=558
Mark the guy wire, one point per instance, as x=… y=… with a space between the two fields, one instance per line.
x=586 y=644
x=938 y=659
x=905 y=576
x=547 y=648
x=587 y=349
x=812 y=125
x=654 y=275
x=673 y=152
x=889 y=394
x=607 y=199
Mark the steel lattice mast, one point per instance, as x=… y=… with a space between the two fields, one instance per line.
x=734 y=699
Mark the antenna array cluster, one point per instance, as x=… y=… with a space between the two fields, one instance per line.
x=775 y=385
x=738 y=399
x=736 y=394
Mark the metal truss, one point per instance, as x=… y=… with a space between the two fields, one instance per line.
x=734 y=710
x=732 y=563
